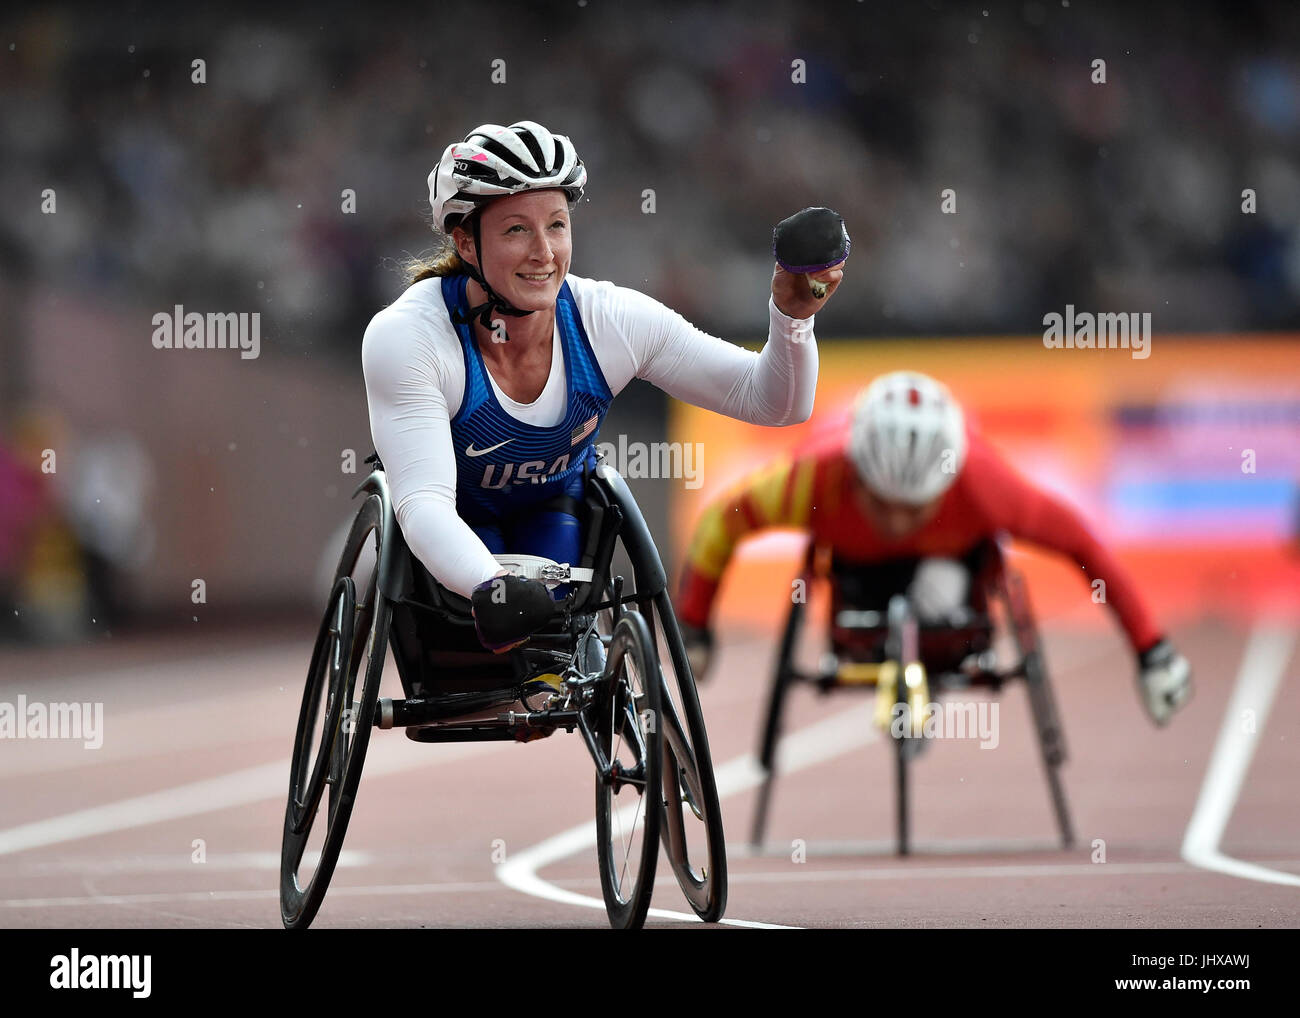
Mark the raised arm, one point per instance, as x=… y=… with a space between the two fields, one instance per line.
x=1032 y=514
x=412 y=433
x=655 y=343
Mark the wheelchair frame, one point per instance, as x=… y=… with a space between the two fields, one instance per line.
x=401 y=599
x=903 y=639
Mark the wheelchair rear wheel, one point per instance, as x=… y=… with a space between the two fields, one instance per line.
x=350 y=646
x=692 y=832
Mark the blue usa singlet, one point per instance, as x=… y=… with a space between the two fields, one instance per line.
x=505 y=467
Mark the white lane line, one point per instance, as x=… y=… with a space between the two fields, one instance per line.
x=815 y=744
x=240 y=788
x=176 y=862
x=1262 y=666
x=773 y=877
x=254 y=894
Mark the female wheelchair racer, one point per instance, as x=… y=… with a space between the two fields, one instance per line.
x=487 y=383
x=488 y=378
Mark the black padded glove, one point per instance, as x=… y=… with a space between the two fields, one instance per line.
x=509 y=609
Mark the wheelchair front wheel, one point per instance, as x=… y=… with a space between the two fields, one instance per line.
x=628 y=735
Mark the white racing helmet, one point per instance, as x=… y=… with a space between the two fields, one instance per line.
x=494 y=161
x=908 y=438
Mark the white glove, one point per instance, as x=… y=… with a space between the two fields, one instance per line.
x=1164 y=681
x=938 y=589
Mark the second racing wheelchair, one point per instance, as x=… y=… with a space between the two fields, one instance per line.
x=883 y=648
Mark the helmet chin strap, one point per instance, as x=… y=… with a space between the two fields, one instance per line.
x=495 y=303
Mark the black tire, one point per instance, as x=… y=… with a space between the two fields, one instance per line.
x=781 y=683
x=692 y=831
x=901 y=802
x=629 y=734
x=1051 y=741
x=324 y=681
x=903 y=646
x=1042 y=701
x=352 y=642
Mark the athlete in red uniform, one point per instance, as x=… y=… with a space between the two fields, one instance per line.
x=912 y=485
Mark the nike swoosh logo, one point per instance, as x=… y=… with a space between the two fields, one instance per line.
x=471 y=451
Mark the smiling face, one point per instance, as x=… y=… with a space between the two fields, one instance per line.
x=525 y=246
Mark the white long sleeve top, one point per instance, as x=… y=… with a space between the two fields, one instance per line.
x=415 y=382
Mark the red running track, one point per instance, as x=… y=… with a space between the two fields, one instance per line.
x=194 y=763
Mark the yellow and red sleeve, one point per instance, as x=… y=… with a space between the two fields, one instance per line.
x=780 y=495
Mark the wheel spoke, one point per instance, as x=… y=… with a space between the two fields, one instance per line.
x=627 y=826
x=627 y=851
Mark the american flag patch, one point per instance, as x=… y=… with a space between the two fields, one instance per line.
x=585 y=429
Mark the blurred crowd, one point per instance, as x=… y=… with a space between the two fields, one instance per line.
x=273 y=159
x=227 y=194
x=74 y=527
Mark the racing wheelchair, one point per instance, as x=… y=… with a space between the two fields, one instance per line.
x=595 y=668
x=905 y=661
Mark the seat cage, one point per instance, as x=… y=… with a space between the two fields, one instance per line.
x=433 y=639
x=957 y=651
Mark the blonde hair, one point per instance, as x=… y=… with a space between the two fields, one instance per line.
x=442 y=260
